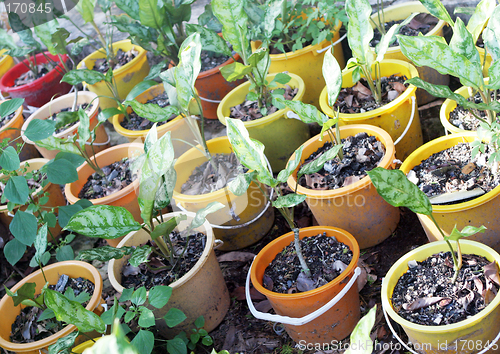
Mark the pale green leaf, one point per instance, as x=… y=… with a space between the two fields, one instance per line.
x=291 y=166
x=467 y=231
x=233 y=18
x=86 y=9
x=359 y=30
x=235 y=71
x=151 y=15
x=360 y=336
x=481 y=14
x=201 y=214
x=151 y=111
x=437 y=9
x=140 y=255
x=104 y=254
x=317 y=164
x=333 y=77
x=289 y=200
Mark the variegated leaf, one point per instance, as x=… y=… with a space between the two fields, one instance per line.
x=359 y=30
x=463 y=43
x=289 y=200
x=491 y=34
x=317 y=164
x=209 y=39
x=233 y=18
x=333 y=77
x=201 y=215
x=291 y=166
x=306 y=112
x=437 y=9
x=481 y=15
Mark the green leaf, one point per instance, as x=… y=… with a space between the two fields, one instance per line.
x=333 y=77
x=317 y=164
x=257 y=56
x=207 y=340
x=159 y=296
x=140 y=255
x=64 y=118
x=64 y=344
x=104 y=254
x=210 y=40
x=39 y=129
x=73 y=312
x=60 y=171
x=139 y=296
x=46 y=314
x=174 y=317
x=141 y=87
x=491 y=35
x=118 y=341
x=235 y=71
x=143 y=342
x=103 y=221
x=289 y=200
x=467 y=231
x=164 y=229
x=10 y=106
x=130 y=7
x=154 y=72
x=14 y=251
x=151 y=15
x=437 y=9
x=200 y=322
x=481 y=14
x=24 y=227
x=432 y=51
x=9 y=160
x=65 y=253
x=360 y=336
x=17 y=190
x=152 y=111
x=25 y=292
x=53 y=143
x=107 y=316
x=75 y=160
x=52 y=37
x=463 y=43
x=239 y=185
x=291 y=166
x=233 y=18
x=359 y=30
x=83 y=128
x=389 y=38
x=398 y=191
x=41 y=243
x=146 y=318
x=126 y=295
x=201 y=214
x=306 y=112
x=86 y=9
x=66 y=212
x=176 y=346
x=249 y=152
x=81 y=298
x=75 y=77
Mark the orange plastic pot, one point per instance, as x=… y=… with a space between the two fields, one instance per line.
x=56 y=197
x=101 y=141
x=125 y=197
x=254 y=215
x=73 y=269
x=178 y=126
x=335 y=324
x=200 y=292
x=356 y=208
x=12 y=130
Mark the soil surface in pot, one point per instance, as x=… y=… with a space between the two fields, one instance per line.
x=135 y=277
x=454 y=170
x=27 y=328
x=117 y=176
x=325 y=256
x=35 y=179
x=361 y=153
x=71 y=117
x=28 y=77
x=464 y=119
x=359 y=98
x=210 y=177
x=425 y=294
x=422 y=23
x=122 y=58
x=137 y=122
x=210 y=60
x=249 y=110
x=6 y=119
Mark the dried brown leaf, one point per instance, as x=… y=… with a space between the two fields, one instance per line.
x=236 y=257
x=363 y=91
x=263 y=306
x=422 y=302
x=491 y=272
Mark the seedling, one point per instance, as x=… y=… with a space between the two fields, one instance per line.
x=398 y=191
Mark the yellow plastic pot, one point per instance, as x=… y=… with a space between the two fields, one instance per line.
x=449 y=105
x=178 y=126
x=356 y=208
x=256 y=217
x=126 y=77
x=480 y=211
x=393 y=117
x=6 y=62
x=398 y=13
x=280 y=134
x=468 y=336
x=73 y=269
x=200 y=292
x=307 y=63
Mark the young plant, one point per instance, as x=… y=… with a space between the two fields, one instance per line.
x=398 y=191
x=250 y=153
x=460 y=58
x=359 y=35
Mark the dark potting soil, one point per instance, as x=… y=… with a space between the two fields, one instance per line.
x=116 y=177
x=425 y=294
x=325 y=256
x=139 y=123
x=6 y=119
x=210 y=60
x=361 y=153
x=249 y=110
x=29 y=76
x=209 y=177
x=33 y=183
x=464 y=119
x=27 y=328
x=454 y=170
x=122 y=58
x=56 y=118
x=135 y=277
x=359 y=98
x=422 y=23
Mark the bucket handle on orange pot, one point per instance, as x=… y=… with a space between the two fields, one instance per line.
x=413 y=106
x=484 y=350
x=331 y=45
x=302 y=320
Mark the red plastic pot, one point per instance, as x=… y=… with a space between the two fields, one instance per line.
x=40 y=91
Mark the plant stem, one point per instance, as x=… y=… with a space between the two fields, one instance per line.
x=367 y=72
x=456 y=263
x=486 y=100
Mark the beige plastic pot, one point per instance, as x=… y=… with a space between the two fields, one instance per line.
x=200 y=292
x=102 y=140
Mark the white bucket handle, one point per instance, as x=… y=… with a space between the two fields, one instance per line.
x=302 y=320
x=333 y=44
x=413 y=106
x=488 y=347
x=209 y=100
